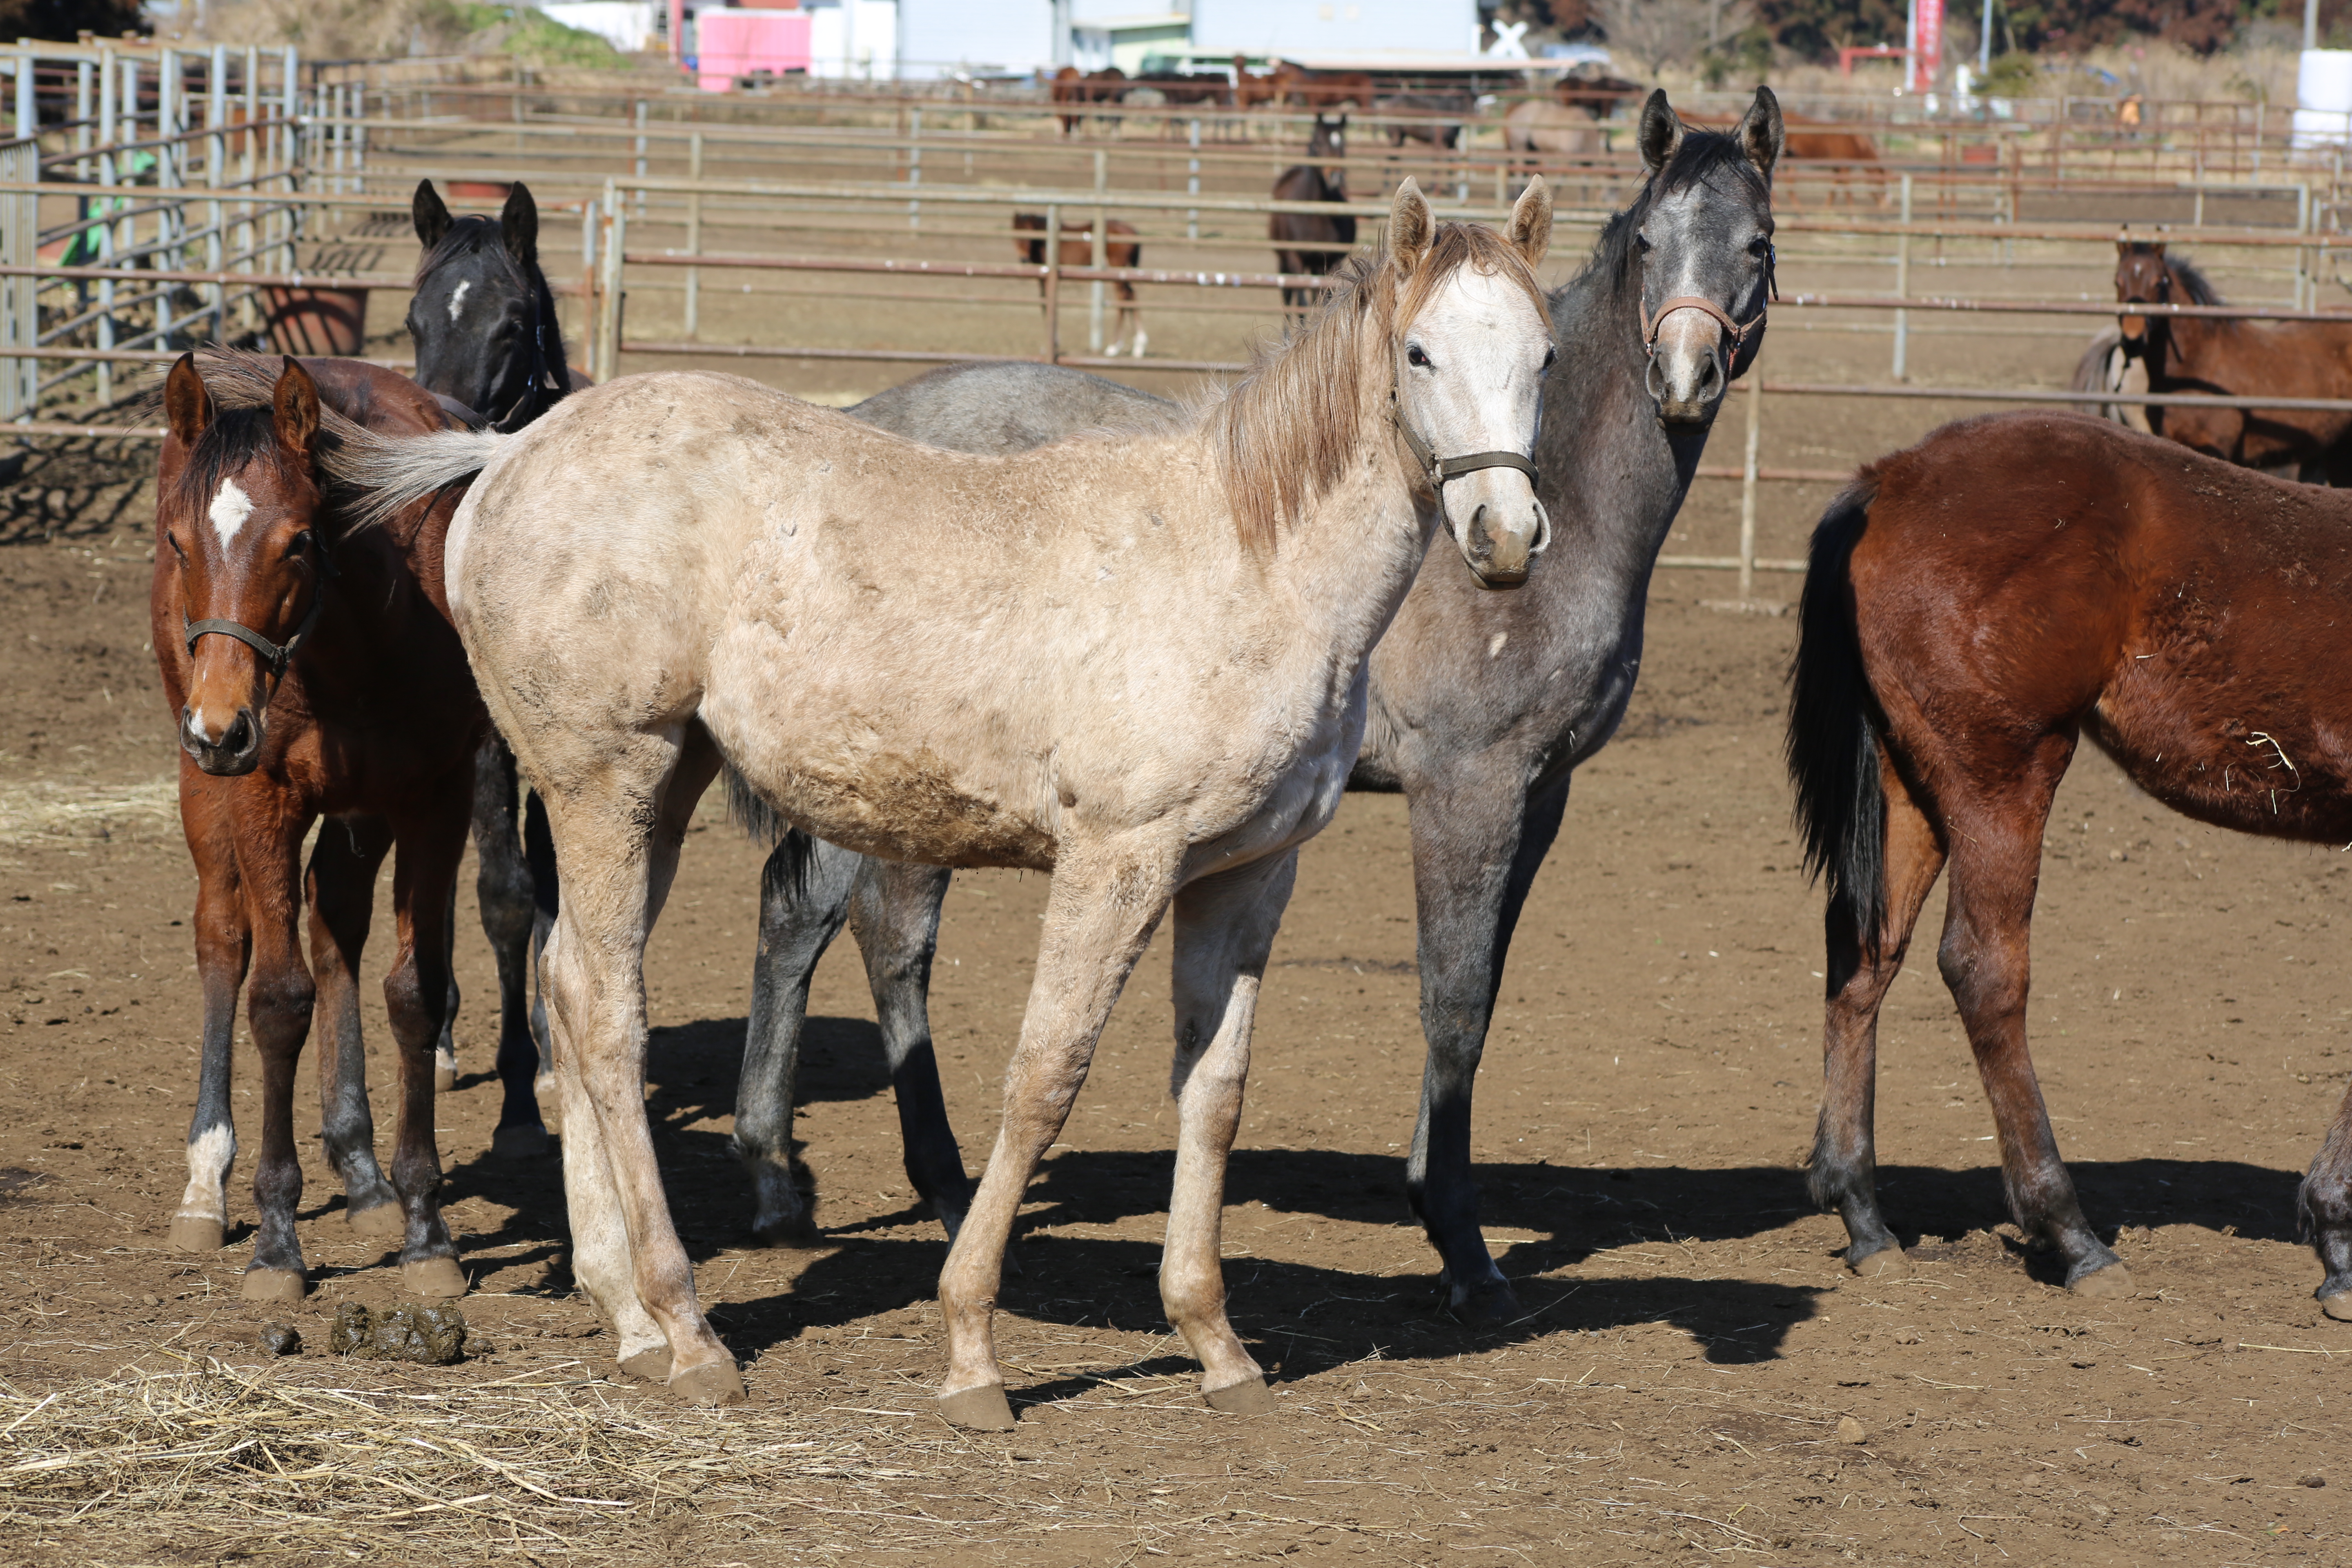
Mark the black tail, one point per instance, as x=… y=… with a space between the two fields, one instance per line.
x=1832 y=745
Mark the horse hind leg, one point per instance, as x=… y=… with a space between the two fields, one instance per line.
x=432 y=842
x=1995 y=842
x=2324 y=1208
x=504 y=891
x=803 y=898
x=1844 y=1168
x=1224 y=928
x=343 y=869
x=894 y=911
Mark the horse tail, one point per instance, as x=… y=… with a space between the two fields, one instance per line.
x=1832 y=744
x=789 y=851
x=393 y=473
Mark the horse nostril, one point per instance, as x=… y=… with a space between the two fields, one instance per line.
x=239 y=735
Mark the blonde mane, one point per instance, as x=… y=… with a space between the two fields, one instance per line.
x=1284 y=435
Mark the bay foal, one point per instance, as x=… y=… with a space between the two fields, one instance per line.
x=1974 y=606
x=1135 y=661
x=311 y=671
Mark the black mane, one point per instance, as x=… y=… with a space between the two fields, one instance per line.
x=2193 y=283
x=237 y=439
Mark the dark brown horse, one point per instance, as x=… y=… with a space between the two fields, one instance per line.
x=1295 y=236
x=1072 y=85
x=311 y=671
x=2236 y=358
x=1974 y=606
x=1078 y=249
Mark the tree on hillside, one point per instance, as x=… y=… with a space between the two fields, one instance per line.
x=59 y=20
x=1816 y=29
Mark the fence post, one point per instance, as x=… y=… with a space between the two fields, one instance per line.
x=1095 y=292
x=216 y=176
x=291 y=217
x=914 y=160
x=169 y=97
x=1193 y=183
x=1747 y=483
x=1903 y=283
x=2306 y=285
x=109 y=86
x=608 y=330
x=29 y=114
x=694 y=238
x=641 y=155
x=249 y=162
x=20 y=387
x=1053 y=250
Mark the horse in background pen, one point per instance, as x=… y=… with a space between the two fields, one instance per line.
x=1313 y=242
x=2237 y=357
x=1122 y=247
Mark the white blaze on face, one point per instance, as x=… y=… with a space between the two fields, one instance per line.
x=229 y=509
x=458 y=299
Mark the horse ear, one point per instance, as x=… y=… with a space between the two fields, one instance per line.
x=431 y=217
x=1411 y=227
x=1760 y=133
x=519 y=222
x=187 y=407
x=294 y=408
x=1530 y=230
x=1661 y=134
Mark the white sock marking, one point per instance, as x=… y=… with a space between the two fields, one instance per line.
x=229 y=509
x=210 y=1153
x=458 y=299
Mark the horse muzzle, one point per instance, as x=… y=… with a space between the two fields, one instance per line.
x=1688 y=374
x=1498 y=533
x=227 y=750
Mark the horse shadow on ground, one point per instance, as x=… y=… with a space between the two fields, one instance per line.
x=1286 y=1309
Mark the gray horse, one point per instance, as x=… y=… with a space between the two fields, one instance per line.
x=1482 y=704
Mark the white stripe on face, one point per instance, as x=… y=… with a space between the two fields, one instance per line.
x=229 y=509
x=458 y=299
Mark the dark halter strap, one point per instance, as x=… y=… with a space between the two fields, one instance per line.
x=276 y=656
x=1438 y=470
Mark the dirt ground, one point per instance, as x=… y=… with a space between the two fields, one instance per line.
x=1696 y=1371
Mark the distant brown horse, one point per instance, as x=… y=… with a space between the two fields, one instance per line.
x=1324 y=178
x=312 y=672
x=1078 y=249
x=1304 y=88
x=1072 y=85
x=1975 y=606
x=2241 y=358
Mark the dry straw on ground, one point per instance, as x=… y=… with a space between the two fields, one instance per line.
x=49 y=812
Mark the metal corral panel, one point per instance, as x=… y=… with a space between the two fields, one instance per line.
x=1335 y=27
x=937 y=36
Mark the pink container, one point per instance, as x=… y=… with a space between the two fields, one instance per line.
x=734 y=43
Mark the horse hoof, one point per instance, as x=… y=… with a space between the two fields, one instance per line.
x=1250 y=1396
x=2112 y=1283
x=432 y=1278
x=2338 y=1306
x=444 y=1080
x=278 y=1287
x=196 y=1233
x=377 y=1219
x=521 y=1141
x=788 y=1233
x=982 y=1409
x=1488 y=1304
x=1886 y=1263
x=712 y=1384
x=645 y=1366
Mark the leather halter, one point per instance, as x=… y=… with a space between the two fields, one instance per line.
x=276 y=656
x=1739 y=330
x=1438 y=470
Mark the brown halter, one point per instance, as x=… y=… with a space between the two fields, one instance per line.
x=1650 y=324
x=1438 y=470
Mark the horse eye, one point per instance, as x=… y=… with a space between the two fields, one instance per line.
x=1758 y=246
x=1413 y=355
x=173 y=540
x=1551 y=358
x=1641 y=242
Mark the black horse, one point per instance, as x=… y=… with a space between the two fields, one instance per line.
x=1312 y=242
x=1481 y=704
x=488 y=341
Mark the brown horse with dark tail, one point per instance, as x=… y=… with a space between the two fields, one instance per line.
x=311 y=671
x=1974 y=606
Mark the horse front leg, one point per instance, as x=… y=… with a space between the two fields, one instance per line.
x=431 y=840
x=1843 y=1169
x=1477 y=845
x=343 y=903
x=894 y=911
x=278 y=1002
x=504 y=889
x=223 y=933
x=803 y=897
x=1224 y=930
x=1995 y=842
x=2324 y=1208
x=1106 y=899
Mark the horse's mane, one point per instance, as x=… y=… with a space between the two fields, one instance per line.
x=242 y=386
x=1695 y=162
x=237 y=439
x=477 y=235
x=2193 y=283
x=1284 y=434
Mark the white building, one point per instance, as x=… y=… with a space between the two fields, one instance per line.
x=1311 y=30
x=940 y=37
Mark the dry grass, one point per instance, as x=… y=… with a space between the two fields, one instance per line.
x=46 y=812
